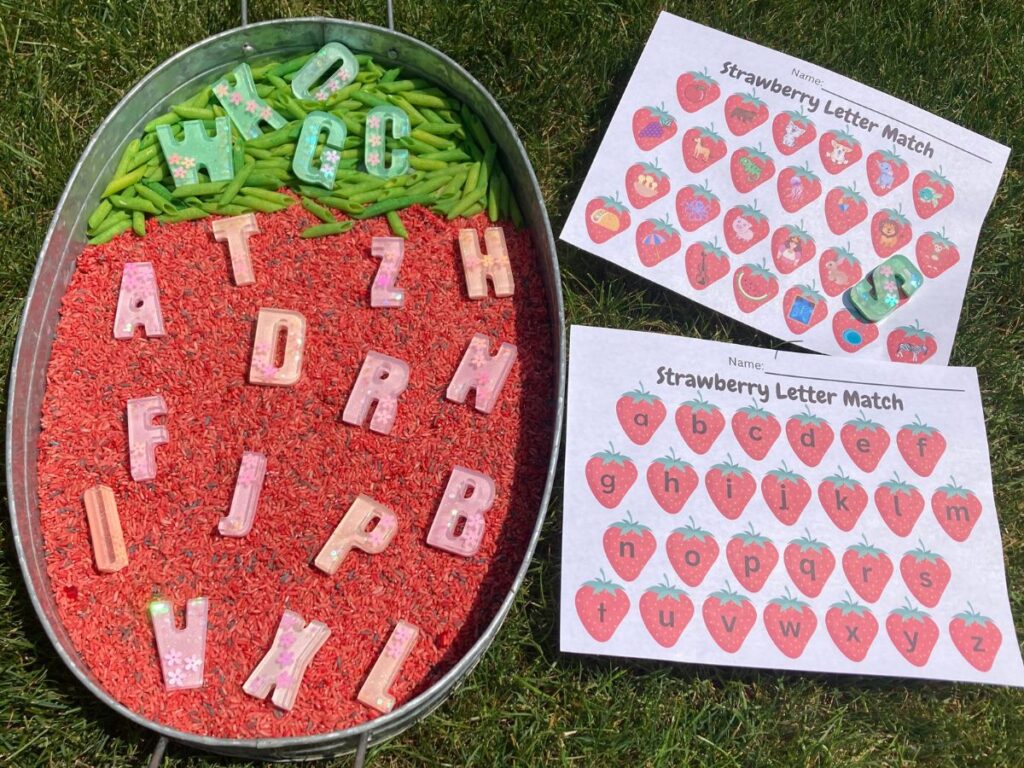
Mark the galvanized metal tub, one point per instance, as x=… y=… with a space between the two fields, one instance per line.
x=171 y=82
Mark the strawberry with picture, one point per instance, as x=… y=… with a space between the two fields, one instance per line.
x=913 y=633
x=754 y=285
x=606 y=217
x=976 y=637
x=792 y=131
x=932 y=193
x=645 y=183
x=910 y=344
x=744 y=112
x=706 y=263
x=809 y=436
x=744 y=226
x=935 y=253
x=749 y=168
x=656 y=240
x=752 y=557
x=652 y=126
x=926 y=574
x=691 y=551
x=890 y=231
x=696 y=205
x=797 y=187
x=852 y=627
x=671 y=481
x=809 y=563
x=702 y=148
x=640 y=413
x=839 y=270
x=838 y=151
x=845 y=208
x=700 y=423
x=867 y=568
x=628 y=546
x=730 y=487
x=886 y=171
x=900 y=504
x=803 y=308
x=695 y=90
x=610 y=475
x=851 y=333
x=756 y=430
x=601 y=606
x=843 y=499
x=786 y=493
x=790 y=623
x=729 y=617
x=957 y=510
x=865 y=441
x=792 y=247
x=665 y=610
x=921 y=446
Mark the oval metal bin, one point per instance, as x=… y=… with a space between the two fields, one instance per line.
x=174 y=80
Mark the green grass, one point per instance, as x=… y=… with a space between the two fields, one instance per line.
x=558 y=67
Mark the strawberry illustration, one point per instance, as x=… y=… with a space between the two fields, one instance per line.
x=797 y=187
x=865 y=441
x=695 y=90
x=839 y=270
x=921 y=446
x=744 y=112
x=628 y=545
x=809 y=563
x=843 y=499
x=696 y=205
x=845 y=208
x=809 y=436
x=730 y=487
x=754 y=285
x=692 y=551
x=700 y=423
x=935 y=253
x=957 y=510
x=867 y=568
x=852 y=334
x=744 y=226
x=886 y=171
x=890 y=231
x=749 y=168
x=792 y=247
x=838 y=151
x=910 y=344
x=729 y=617
x=606 y=217
x=932 y=193
x=702 y=148
x=803 y=308
x=790 y=623
x=656 y=240
x=752 y=557
x=926 y=574
x=610 y=475
x=645 y=183
x=652 y=126
x=786 y=493
x=792 y=131
x=899 y=504
x=756 y=430
x=601 y=606
x=666 y=611
x=852 y=627
x=671 y=481
x=706 y=263
x=913 y=633
x=640 y=413
x=976 y=637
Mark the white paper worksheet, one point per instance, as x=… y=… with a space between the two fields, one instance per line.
x=765 y=187
x=742 y=506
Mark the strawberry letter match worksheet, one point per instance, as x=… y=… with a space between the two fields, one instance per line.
x=734 y=505
x=796 y=200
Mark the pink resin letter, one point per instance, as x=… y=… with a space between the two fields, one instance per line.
x=182 y=651
x=246 y=496
x=236 y=232
x=285 y=663
x=277 y=350
x=105 y=529
x=144 y=436
x=139 y=302
x=352 y=532
x=482 y=371
x=381 y=379
x=374 y=692
x=493 y=265
x=469 y=494
x=391 y=252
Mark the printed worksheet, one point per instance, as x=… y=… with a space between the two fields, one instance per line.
x=742 y=506
x=796 y=200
